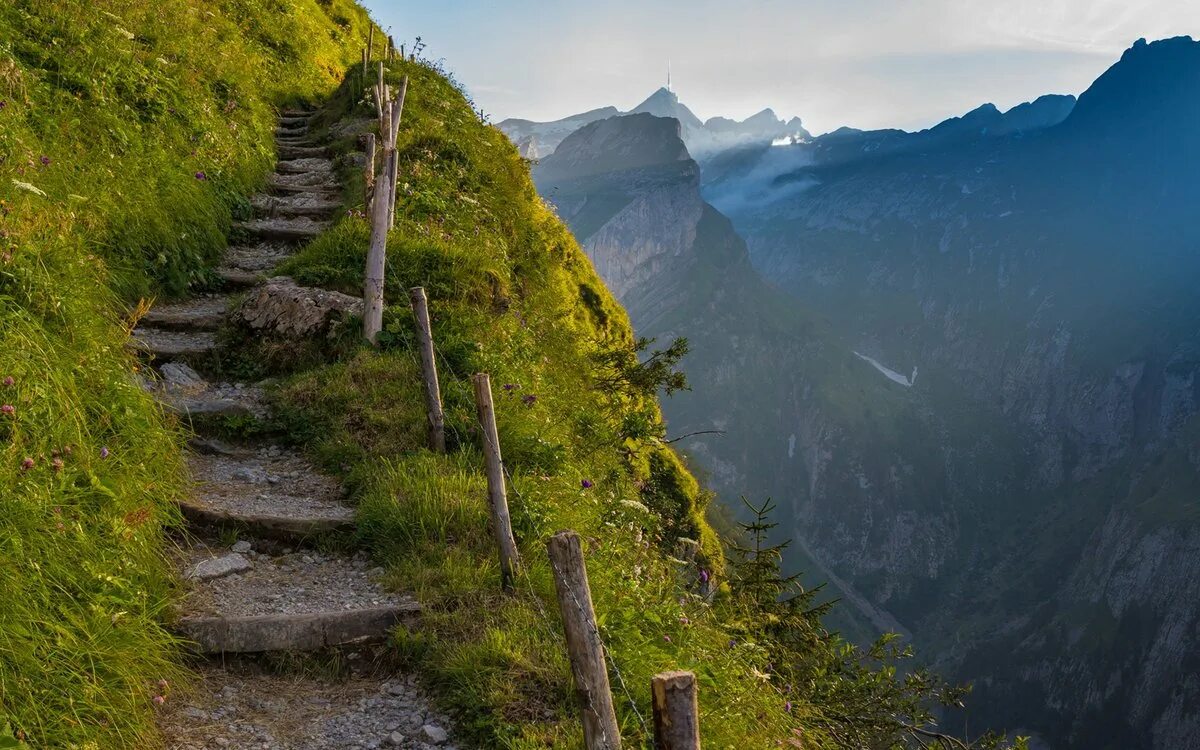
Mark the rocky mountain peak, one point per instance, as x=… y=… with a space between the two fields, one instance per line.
x=1153 y=87
x=618 y=143
x=665 y=103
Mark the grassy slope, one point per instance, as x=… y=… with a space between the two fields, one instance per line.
x=108 y=111
x=512 y=294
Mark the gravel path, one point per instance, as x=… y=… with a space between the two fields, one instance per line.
x=273 y=592
x=284 y=713
x=299 y=581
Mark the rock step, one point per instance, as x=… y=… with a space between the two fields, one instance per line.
x=301 y=204
x=271 y=492
x=238 y=278
x=283 y=187
x=300 y=139
x=165 y=344
x=240 y=601
x=182 y=390
x=291 y=131
x=295 y=229
x=289 y=121
x=308 y=164
x=237 y=704
x=301 y=152
x=263 y=256
x=204 y=313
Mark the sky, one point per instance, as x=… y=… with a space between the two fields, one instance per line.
x=862 y=63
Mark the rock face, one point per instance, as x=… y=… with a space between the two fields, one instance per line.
x=1025 y=508
x=282 y=308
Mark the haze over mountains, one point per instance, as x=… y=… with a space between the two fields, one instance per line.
x=1027 y=506
x=539 y=139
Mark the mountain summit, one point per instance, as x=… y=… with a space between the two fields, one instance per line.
x=704 y=139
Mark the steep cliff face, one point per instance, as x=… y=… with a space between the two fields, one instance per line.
x=978 y=397
x=1043 y=284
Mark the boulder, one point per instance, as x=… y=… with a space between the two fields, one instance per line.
x=283 y=308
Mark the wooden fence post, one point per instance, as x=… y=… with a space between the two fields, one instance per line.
x=676 y=711
x=497 y=494
x=364 y=66
x=377 y=254
x=370 y=44
x=369 y=172
x=383 y=210
x=394 y=175
x=584 y=648
x=433 y=393
x=391 y=47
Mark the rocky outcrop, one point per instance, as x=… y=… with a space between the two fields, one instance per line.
x=282 y=308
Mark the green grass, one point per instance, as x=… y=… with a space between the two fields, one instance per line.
x=130 y=132
x=512 y=294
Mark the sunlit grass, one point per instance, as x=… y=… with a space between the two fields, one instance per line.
x=129 y=133
x=512 y=294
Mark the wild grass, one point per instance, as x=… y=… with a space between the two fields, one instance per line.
x=130 y=131
x=512 y=294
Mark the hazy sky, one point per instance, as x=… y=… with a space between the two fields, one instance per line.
x=865 y=63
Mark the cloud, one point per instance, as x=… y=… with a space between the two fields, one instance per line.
x=867 y=63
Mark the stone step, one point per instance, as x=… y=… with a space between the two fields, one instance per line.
x=183 y=391
x=261 y=257
x=294 y=229
x=309 y=164
x=203 y=313
x=300 y=204
x=238 y=278
x=300 y=140
x=165 y=344
x=291 y=121
x=306 y=182
x=301 y=152
x=271 y=492
x=238 y=704
x=291 y=131
x=245 y=602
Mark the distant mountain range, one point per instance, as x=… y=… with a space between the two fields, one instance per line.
x=1026 y=503
x=537 y=140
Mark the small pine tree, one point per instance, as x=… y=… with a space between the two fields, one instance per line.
x=864 y=698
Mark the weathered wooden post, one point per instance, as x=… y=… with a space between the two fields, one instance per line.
x=377 y=253
x=391 y=48
x=364 y=66
x=497 y=493
x=369 y=171
x=382 y=216
x=370 y=43
x=676 y=711
x=584 y=648
x=433 y=393
x=394 y=175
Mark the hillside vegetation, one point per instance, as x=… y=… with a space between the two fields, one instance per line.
x=512 y=294
x=129 y=132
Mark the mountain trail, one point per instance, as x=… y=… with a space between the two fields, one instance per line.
x=286 y=621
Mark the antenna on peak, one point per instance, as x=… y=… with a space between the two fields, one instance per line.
x=668 y=74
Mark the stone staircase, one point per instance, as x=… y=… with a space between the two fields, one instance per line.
x=260 y=578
